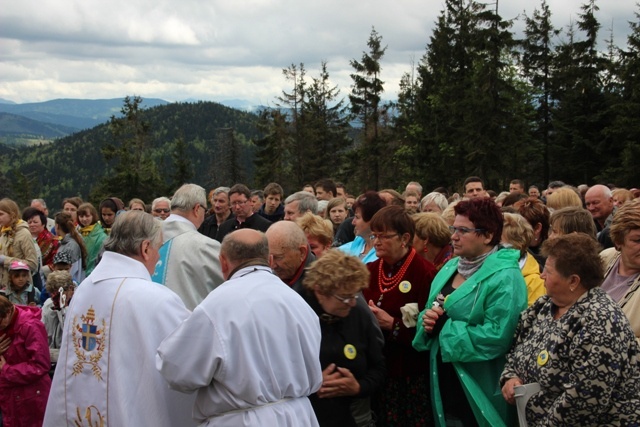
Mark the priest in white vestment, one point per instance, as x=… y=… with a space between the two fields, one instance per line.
x=106 y=372
x=251 y=349
x=188 y=263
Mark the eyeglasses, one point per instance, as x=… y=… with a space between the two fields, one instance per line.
x=238 y=203
x=383 y=236
x=162 y=210
x=347 y=300
x=464 y=230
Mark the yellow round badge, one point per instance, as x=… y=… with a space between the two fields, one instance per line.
x=543 y=358
x=405 y=286
x=350 y=352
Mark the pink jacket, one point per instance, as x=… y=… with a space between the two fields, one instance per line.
x=24 y=379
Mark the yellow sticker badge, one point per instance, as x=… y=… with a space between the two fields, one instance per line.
x=405 y=286
x=543 y=358
x=350 y=352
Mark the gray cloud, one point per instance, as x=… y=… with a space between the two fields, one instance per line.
x=219 y=49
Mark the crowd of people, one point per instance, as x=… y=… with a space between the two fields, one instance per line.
x=321 y=308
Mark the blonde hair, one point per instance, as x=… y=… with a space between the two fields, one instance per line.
x=517 y=231
x=430 y=225
x=627 y=218
x=335 y=272
x=564 y=197
x=449 y=214
x=622 y=194
x=317 y=227
x=59 y=279
x=10 y=207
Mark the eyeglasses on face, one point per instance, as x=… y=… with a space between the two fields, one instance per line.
x=239 y=203
x=159 y=210
x=346 y=300
x=382 y=237
x=464 y=230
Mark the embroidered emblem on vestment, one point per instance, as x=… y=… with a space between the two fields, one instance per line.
x=88 y=343
x=93 y=420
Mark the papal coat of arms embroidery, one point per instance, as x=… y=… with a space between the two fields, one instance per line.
x=88 y=343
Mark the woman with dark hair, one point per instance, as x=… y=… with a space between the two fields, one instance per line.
x=364 y=209
x=576 y=343
x=472 y=313
x=398 y=288
x=92 y=233
x=71 y=243
x=108 y=210
x=537 y=214
x=46 y=241
x=16 y=243
x=24 y=366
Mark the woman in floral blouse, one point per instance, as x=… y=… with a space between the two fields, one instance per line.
x=577 y=344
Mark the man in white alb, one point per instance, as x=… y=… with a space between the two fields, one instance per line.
x=250 y=349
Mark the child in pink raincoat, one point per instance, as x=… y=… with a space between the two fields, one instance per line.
x=24 y=365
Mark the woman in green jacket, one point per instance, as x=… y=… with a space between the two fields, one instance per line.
x=92 y=233
x=471 y=315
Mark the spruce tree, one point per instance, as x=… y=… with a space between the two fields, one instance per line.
x=132 y=172
x=367 y=110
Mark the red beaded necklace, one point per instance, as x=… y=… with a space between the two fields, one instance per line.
x=387 y=284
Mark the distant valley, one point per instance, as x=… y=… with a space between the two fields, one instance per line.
x=43 y=122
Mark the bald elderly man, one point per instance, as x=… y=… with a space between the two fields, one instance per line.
x=599 y=202
x=251 y=350
x=289 y=252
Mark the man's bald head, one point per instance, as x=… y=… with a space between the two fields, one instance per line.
x=286 y=233
x=288 y=248
x=599 y=202
x=242 y=246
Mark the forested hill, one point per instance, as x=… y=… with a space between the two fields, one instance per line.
x=75 y=165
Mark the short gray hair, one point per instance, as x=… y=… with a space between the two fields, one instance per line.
x=438 y=198
x=306 y=202
x=158 y=200
x=186 y=197
x=130 y=229
x=219 y=190
x=41 y=201
x=237 y=251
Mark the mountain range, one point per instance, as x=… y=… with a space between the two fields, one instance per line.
x=38 y=122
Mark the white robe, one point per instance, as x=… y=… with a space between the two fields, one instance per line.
x=106 y=368
x=189 y=263
x=251 y=350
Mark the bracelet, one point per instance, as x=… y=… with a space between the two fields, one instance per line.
x=395 y=331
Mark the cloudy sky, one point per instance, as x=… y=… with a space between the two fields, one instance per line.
x=222 y=49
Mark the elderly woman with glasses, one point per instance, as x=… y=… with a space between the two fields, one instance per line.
x=351 y=348
x=473 y=310
x=398 y=289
